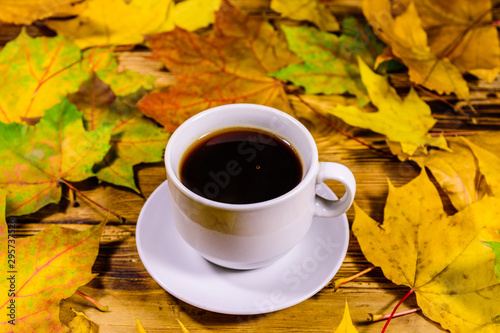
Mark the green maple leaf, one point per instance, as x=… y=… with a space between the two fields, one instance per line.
x=330 y=65
x=37 y=158
x=102 y=62
x=495 y=246
x=37 y=73
x=41 y=270
x=135 y=139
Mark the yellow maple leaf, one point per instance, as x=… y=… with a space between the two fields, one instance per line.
x=120 y=22
x=116 y=22
x=140 y=329
x=489 y=165
x=195 y=14
x=346 y=325
x=460 y=31
x=306 y=10
x=408 y=40
x=28 y=11
x=406 y=121
x=82 y=324
x=441 y=258
x=455 y=171
x=467 y=172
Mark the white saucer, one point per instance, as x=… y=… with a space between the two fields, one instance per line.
x=182 y=272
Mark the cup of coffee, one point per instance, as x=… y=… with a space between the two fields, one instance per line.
x=242 y=180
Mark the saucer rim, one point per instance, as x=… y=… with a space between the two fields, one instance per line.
x=242 y=310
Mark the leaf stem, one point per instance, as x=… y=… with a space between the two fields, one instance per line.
x=322 y=117
x=438 y=97
x=122 y=219
x=394 y=311
x=340 y=282
x=184 y=329
x=93 y=301
x=478 y=185
x=374 y=317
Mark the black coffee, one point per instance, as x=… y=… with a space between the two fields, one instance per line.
x=241 y=166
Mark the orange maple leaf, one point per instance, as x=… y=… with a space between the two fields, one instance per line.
x=228 y=66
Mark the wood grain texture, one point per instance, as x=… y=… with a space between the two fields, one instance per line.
x=125 y=286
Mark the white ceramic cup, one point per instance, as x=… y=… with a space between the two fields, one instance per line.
x=247 y=236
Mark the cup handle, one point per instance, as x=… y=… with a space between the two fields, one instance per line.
x=338 y=172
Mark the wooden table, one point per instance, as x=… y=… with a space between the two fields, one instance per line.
x=130 y=292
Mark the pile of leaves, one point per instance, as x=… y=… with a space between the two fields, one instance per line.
x=68 y=112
